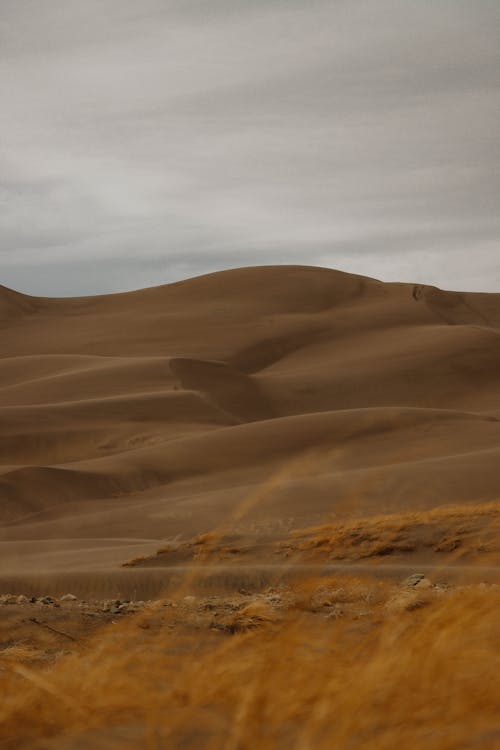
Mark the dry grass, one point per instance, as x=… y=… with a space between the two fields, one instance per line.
x=340 y=663
x=200 y=549
x=464 y=530
x=317 y=664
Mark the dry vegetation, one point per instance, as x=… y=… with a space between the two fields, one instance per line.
x=466 y=530
x=328 y=663
x=308 y=664
x=462 y=533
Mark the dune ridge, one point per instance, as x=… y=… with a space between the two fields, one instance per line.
x=303 y=394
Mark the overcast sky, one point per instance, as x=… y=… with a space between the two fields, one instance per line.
x=143 y=141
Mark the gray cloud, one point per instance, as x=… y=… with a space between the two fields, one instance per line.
x=145 y=142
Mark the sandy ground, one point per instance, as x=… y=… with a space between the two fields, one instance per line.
x=263 y=400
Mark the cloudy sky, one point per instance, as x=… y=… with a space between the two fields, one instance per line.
x=146 y=141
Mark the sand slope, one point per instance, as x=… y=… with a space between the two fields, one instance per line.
x=272 y=398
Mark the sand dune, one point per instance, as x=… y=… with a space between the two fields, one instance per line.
x=271 y=398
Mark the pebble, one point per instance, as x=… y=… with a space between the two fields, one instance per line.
x=424 y=583
x=113 y=606
x=8 y=599
x=414 y=579
x=274 y=599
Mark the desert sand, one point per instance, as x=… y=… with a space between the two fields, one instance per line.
x=258 y=508
x=261 y=401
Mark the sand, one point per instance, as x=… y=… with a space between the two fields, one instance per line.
x=264 y=399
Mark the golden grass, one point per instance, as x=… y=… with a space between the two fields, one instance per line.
x=463 y=530
x=319 y=664
x=380 y=674
x=468 y=532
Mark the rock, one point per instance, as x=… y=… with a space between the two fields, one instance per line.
x=68 y=598
x=424 y=583
x=118 y=602
x=274 y=599
x=46 y=600
x=414 y=579
x=21 y=599
x=8 y=599
x=189 y=599
x=441 y=588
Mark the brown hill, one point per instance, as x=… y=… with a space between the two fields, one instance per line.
x=269 y=399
